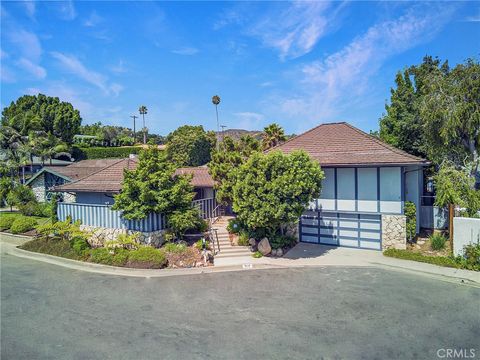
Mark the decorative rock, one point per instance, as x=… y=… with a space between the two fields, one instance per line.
x=279 y=252
x=394 y=232
x=252 y=242
x=264 y=246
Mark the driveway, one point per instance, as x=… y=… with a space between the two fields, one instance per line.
x=49 y=312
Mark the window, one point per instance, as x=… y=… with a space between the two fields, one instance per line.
x=367 y=189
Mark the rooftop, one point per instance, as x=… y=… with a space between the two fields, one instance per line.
x=341 y=144
x=200 y=176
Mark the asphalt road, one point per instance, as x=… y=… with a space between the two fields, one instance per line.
x=48 y=312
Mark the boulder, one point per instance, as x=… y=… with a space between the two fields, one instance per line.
x=279 y=252
x=264 y=246
x=252 y=242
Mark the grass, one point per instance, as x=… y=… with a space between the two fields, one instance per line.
x=435 y=260
x=60 y=248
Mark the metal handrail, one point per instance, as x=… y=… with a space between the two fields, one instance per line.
x=213 y=238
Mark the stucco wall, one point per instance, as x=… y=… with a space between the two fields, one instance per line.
x=465 y=231
x=394 y=232
x=38 y=187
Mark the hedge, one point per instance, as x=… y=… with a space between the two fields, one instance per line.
x=80 y=153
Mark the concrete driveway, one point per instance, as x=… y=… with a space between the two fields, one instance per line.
x=49 y=312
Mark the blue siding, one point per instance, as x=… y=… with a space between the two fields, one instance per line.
x=104 y=216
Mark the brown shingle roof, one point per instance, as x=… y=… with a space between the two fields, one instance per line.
x=82 y=168
x=200 y=176
x=341 y=144
x=108 y=179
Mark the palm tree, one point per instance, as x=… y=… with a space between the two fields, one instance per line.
x=51 y=148
x=273 y=135
x=143 y=110
x=216 y=101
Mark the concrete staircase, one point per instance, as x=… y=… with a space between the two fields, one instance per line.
x=229 y=255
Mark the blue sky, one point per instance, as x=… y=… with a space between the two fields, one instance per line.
x=295 y=63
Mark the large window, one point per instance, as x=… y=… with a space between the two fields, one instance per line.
x=346 y=189
x=367 y=189
x=390 y=190
x=327 y=197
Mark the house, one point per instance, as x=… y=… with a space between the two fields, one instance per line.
x=94 y=196
x=43 y=182
x=366 y=185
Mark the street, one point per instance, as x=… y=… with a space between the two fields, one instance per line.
x=49 y=312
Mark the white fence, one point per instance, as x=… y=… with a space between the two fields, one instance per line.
x=465 y=231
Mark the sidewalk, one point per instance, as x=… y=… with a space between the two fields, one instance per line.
x=302 y=255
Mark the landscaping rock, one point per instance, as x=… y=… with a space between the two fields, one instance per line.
x=252 y=242
x=279 y=252
x=264 y=247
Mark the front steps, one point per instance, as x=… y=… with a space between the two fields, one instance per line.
x=229 y=255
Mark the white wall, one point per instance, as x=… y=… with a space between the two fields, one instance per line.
x=390 y=190
x=465 y=231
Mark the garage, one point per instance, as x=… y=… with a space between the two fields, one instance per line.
x=355 y=230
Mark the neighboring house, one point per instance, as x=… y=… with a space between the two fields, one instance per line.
x=366 y=185
x=43 y=182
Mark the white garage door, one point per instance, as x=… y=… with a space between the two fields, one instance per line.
x=341 y=229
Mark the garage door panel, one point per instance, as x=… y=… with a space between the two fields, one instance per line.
x=309 y=238
x=342 y=229
x=309 y=230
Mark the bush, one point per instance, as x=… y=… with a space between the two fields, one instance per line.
x=199 y=244
x=61 y=248
x=411 y=214
x=101 y=256
x=62 y=230
x=147 y=257
x=34 y=208
x=409 y=255
x=243 y=239
x=257 y=254
x=21 y=195
x=79 y=245
x=6 y=221
x=175 y=248
x=186 y=220
x=82 y=153
x=437 y=241
x=472 y=255
x=235 y=226
x=23 y=224
x=282 y=241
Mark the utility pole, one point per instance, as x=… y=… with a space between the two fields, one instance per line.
x=134 y=117
x=216 y=101
x=143 y=110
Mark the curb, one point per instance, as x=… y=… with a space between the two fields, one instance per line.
x=121 y=271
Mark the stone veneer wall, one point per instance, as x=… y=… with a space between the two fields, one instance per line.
x=394 y=231
x=69 y=198
x=38 y=187
x=100 y=235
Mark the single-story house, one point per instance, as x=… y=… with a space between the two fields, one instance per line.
x=43 y=182
x=366 y=185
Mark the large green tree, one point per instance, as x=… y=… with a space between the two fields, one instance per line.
x=274 y=189
x=225 y=162
x=41 y=112
x=153 y=187
x=190 y=146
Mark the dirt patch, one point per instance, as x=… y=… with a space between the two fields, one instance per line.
x=422 y=246
x=190 y=257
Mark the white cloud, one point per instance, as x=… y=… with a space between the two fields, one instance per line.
x=294 y=31
x=93 y=20
x=185 y=51
x=6 y=75
x=29 y=8
x=249 y=120
x=75 y=66
x=27 y=43
x=66 y=10
x=327 y=86
x=119 y=68
x=34 y=69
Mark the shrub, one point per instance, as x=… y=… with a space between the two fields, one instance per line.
x=79 y=245
x=61 y=248
x=62 y=230
x=243 y=239
x=437 y=241
x=104 y=152
x=34 y=208
x=472 y=255
x=257 y=254
x=411 y=214
x=23 y=224
x=21 y=195
x=234 y=226
x=6 y=221
x=199 y=244
x=281 y=241
x=124 y=241
x=101 y=256
x=175 y=248
x=147 y=257
x=186 y=220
